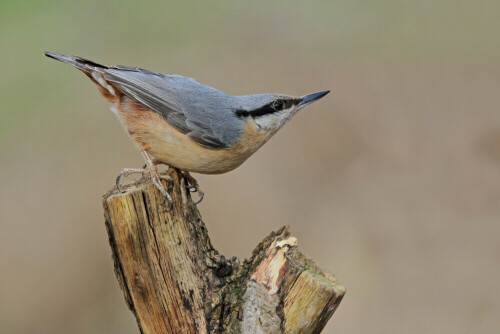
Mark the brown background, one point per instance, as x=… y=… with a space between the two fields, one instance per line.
x=392 y=182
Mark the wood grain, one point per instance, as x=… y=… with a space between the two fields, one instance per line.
x=174 y=281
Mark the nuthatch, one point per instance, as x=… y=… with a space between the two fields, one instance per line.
x=181 y=123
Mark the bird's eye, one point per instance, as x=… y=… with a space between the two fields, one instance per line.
x=278 y=105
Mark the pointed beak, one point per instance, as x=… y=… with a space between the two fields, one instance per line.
x=310 y=98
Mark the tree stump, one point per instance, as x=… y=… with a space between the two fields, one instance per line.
x=174 y=281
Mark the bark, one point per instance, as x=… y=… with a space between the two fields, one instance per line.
x=174 y=281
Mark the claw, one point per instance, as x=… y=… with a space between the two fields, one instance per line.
x=126 y=172
x=201 y=194
x=166 y=198
x=164 y=193
x=118 y=178
x=192 y=186
x=170 y=182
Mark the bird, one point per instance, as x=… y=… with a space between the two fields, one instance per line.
x=177 y=121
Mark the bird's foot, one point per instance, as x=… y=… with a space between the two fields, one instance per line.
x=155 y=178
x=126 y=172
x=149 y=170
x=192 y=186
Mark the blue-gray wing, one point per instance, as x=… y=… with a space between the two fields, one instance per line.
x=190 y=107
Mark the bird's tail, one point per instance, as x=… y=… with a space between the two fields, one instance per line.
x=82 y=64
x=94 y=71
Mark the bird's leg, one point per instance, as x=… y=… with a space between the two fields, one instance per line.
x=148 y=168
x=155 y=178
x=192 y=186
x=162 y=176
x=155 y=162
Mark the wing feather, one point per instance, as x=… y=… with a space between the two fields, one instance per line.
x=202 y=112
x=165 y=95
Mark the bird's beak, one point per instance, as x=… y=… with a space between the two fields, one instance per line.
x=310 y=98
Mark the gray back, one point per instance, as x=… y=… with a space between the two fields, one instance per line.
x=202 y=112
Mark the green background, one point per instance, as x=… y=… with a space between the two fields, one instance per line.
x=392 y=182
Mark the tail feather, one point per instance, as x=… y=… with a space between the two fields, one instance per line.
x=93 y=70
x=88 y=62
x=78 y=62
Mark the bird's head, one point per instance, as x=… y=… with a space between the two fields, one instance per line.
x=271 y=111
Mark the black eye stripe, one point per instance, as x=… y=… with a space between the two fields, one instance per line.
x=267 y=109
x=242 y=113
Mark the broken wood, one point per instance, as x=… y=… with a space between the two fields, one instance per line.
x=174 y=281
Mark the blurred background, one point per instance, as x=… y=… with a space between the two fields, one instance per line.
x=392 y=182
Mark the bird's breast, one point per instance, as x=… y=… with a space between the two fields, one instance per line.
x=174 y=148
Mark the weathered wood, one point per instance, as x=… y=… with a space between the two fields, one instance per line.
x=174 y=281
